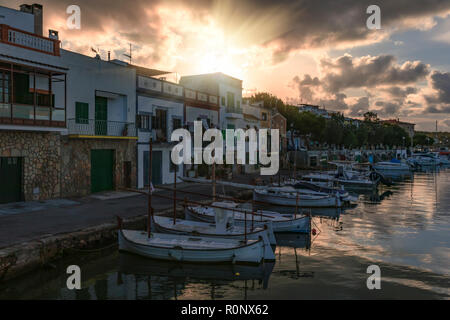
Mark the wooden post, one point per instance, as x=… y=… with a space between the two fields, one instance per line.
x=175 y=195
x=214 y=180
x=150 y=210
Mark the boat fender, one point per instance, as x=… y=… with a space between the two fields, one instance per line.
x=313 y=231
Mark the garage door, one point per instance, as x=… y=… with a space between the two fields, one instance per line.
x=102 y=165
x=11 y=179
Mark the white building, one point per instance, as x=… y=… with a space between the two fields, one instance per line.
x=160 y=110
x=66 y=120
x=227 y=88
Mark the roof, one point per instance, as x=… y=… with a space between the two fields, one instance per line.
x=148 y=72
x=251 y=117
x=397 y=121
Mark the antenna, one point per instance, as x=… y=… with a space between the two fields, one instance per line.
x=128 y=55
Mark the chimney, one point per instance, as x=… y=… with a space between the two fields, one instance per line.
x=36 y=10
x=53 y=34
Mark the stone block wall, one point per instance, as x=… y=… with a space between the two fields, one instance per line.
x=76 y=163
x=41 y=161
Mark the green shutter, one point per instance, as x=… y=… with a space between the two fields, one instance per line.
x=81 y=112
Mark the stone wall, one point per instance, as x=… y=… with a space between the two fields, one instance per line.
x=41 y=161
x=76 y=163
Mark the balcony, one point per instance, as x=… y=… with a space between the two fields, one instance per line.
x=234 y=113
x=29 y=115
x=28 y=40
x=90 y=128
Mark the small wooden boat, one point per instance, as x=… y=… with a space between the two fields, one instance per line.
x=290 y=197
x=278 y=222
x=204 y=229
x=391 y=166
x=175 y=247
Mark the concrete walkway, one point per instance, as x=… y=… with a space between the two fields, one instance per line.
x=22 y=222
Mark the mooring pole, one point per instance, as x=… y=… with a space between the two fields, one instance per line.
x=175 y=195
x=150 y=211
x=214 y=180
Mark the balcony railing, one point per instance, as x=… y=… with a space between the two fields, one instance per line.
x=28 y=40
x=22 y=114
x=93 y=128
x=233 y=110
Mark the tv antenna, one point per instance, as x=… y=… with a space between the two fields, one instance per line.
x=128 y=55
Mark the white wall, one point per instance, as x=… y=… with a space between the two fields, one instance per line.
x=87 y=75
x=193 y=113
x=17 y=19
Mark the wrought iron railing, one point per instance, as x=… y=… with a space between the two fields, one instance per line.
x=92 y=127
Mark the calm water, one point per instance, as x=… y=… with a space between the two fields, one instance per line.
x=404 y=229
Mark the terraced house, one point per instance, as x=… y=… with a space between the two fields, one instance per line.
x=66 y=120
x=160 y=110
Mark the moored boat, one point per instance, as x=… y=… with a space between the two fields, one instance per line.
x=275 y=221
x=186 y=248
x=294 y=198
x=204 y=229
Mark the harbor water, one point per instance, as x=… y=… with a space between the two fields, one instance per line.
x=404 y=229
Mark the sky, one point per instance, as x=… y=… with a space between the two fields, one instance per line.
x=303 y=51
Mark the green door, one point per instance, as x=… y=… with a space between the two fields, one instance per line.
x=10 y=179
x=102 y=166
x=101 y=116
x=156 y=167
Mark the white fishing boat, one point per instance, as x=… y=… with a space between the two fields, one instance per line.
x=227 y=230
x=391 y=166
x=183 y=248
x=187 y=248
x=277 y=221
x=291 y=197
x=349 y=181
x=423 y=159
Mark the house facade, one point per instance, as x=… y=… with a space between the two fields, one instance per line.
x=66 y=120
x=159 y=110
x=227 y=88
x=33 y=84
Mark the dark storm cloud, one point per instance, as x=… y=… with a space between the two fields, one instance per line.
x=360 y=107
x=297 y=24
x=439 y=102
x=400 y=93
x=347 y=72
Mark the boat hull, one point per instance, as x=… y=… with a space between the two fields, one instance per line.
x=300 y=225
x=255 y=235
x=322 y=202
x=248 y=253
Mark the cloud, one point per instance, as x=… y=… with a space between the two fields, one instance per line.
x=380 y=79
x=369 y=71
x=280 y=26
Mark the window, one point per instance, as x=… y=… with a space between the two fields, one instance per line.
x=238 y=104
x=176 y=123
x=4 y=87
x=81 y=112
x=264 y=116
x=230 y=100
x=143 y=121
x=22 y=92
x=159 y=123
x=222 y=99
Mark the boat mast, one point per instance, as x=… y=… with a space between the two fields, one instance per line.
x=150 y=209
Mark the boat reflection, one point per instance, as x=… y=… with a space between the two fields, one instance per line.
x=184 y=272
